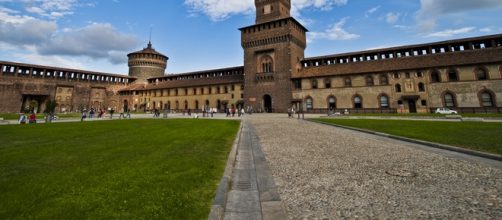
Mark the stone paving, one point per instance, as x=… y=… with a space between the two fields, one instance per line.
x=323 y=172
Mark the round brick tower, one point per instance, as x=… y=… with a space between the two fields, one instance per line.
x=147 y=63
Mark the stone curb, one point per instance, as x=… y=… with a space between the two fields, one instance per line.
x=426 y=143
x=220 y=199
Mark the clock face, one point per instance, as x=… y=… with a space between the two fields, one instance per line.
x=267 y=9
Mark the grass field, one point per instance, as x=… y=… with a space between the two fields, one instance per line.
x=129 y=169
x=429 y=115
x=480 y=136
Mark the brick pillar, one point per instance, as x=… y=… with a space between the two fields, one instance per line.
x=16 y=70
x=31 y=72
x=1 y=69
x=43 y=73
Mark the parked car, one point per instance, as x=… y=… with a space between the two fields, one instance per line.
x=445 y=111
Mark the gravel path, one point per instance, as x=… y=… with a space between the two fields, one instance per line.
x=324 y=172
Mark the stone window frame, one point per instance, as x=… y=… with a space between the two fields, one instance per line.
x=266 y=64
x=309 y=103
x=327 y=83
x=452 y=71
x=384 y=79
x=354 y=103
x=313 y=83
x=328 y=99
x=435 y=72
x=398 y=88
x=370 y=81
x=379 y=99
x=347 y=81
x=453 y=100
x=492 y=97
x=421 y=87
x=477 y=76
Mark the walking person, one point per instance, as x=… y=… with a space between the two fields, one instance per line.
x=84 y=115
x=32 y=119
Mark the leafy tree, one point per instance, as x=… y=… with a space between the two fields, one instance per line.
x=50 y=110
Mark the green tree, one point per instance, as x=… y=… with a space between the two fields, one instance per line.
x=50 y=110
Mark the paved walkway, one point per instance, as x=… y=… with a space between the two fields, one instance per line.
x=323 y=172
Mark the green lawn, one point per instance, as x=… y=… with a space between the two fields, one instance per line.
x=15 y=116
x=480 y=136
x=429 y=115
x=125 y=169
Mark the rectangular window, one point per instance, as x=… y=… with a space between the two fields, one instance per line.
x=297 y=83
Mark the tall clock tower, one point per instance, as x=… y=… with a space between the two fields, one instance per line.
x=273 y=48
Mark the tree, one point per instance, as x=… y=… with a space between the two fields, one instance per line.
x=50 y=110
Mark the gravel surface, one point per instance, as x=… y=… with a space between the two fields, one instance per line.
x=324 y=172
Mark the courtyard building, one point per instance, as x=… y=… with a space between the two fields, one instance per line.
x=462 y=74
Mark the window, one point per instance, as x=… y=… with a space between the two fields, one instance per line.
x=481 y=74
x=398 y=87
x=424 y=102
x=348 y=82
x=421 y=87
x=407 y=75
x=313 y=83
x=487 y=99
x=267 y=64
x=452 y=76
x=420 y=74
x=384 y=101
x=358 y=102
x=297 y=83
x=310 y=103
x=369 y=81
x=435 y=77
x=327 y=83
x=397 y=75
x=449 y=100
x=384 y=80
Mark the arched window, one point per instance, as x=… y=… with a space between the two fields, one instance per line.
x=452 y=75
x=398 y=87
x=267 y=64
x=313 y=83
x=331 y=102
x=481 y=74
x=421 y=87
x=435 y=77
x=358 y=102
x=347 y=81
x=384 y=80
x=369 y=81
x=309 y=103
x=449 y=100
x=384 y=101
x=487 y=99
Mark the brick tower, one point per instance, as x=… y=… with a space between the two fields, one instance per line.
x=273 y=48
x=147 y=63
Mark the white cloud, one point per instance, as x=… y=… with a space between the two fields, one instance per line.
x=486 y=30
x=222 y=9
x=24 y=30
x=44 y=38
x=96 y=40
x=392 y=17
x=52 y=60
x=371 y=11
x=451 y=32
x=431 y=10
x=335 y=32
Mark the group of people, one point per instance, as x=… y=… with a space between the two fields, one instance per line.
x=232 y=110
x=31 y=119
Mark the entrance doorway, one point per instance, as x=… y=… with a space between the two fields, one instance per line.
x=267 y=103
x=33 y=103
x=412 y=106
x=331 y=103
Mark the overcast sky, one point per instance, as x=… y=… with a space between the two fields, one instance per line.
x=202 y=34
